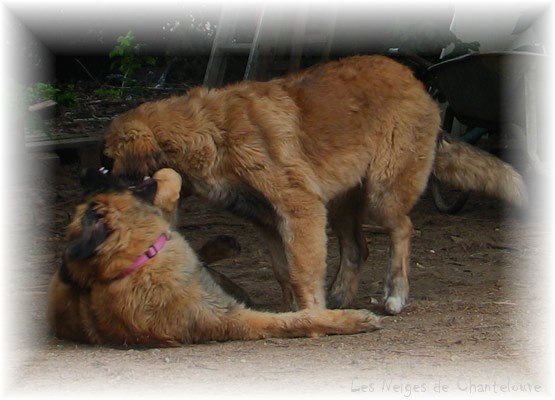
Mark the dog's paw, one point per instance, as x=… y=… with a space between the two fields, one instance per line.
x=333 y=302
x=337 y=299
x=361 y=320
x=396 y=292
x=394 y=304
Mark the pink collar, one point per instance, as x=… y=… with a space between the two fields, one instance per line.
x=147 y=255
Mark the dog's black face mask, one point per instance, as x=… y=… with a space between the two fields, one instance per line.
x=93 y=234
x=105 y=161
x=96 y=181
x=133 y=170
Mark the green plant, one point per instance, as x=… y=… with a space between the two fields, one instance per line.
x=108 y=92
x=127 y=61
x=41 y=92
x=46 y=91
x=67 y=97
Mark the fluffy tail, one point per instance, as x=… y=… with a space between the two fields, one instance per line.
x=469 y=168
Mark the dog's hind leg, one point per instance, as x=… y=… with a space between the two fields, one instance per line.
x=389 y=209
x=345 y=215
x=396 y=289
x=281 y=268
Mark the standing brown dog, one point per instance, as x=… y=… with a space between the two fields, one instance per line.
x=343 y=140
x=126 y=280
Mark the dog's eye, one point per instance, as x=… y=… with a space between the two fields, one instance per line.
x=92 y=212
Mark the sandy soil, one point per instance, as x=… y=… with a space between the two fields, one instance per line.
x=478 y=319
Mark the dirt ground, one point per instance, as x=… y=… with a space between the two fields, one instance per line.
x=477 y=321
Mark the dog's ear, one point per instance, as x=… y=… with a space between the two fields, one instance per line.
x=168 y=189
x=93 y=233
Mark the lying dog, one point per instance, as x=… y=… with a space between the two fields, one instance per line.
x=126 y=279
x=163 y=191
x=340 y=141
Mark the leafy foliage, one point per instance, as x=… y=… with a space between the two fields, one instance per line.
x=46 y=91
x=108 y=92
x=41 y=92
x=67 y=97
x=127 y=61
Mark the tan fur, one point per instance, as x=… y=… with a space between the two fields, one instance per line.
x=171 y=299
x=284 y=153
x=466 y=167
x=64 y=310
x=167 y=194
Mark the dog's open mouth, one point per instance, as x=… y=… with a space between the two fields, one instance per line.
x=132 y=182
x=147 y=183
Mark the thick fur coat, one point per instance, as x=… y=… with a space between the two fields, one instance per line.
x=338 y=142
x=171 y=299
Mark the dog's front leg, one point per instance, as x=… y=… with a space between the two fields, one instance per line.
x=303 y=231
x=244 y=324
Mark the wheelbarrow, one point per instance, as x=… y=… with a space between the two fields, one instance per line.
x=489 y=93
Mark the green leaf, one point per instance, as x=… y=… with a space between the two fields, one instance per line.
x=116 y=51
